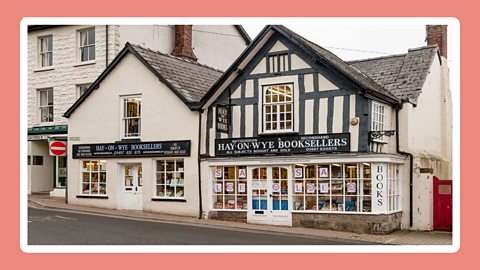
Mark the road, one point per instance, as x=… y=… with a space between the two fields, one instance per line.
x=47 y=227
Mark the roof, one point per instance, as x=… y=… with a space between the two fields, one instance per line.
x=187 y=79
x=239 y=28
x=402 y=74
x=319 y=54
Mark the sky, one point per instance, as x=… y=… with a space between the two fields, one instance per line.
x=358 y=41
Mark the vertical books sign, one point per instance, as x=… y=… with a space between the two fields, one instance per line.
x=222 y=118
x=379 y=188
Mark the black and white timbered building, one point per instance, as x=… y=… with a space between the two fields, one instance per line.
x=295 y=136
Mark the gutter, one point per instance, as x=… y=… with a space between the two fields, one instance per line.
x=106 y=46
x=200 y=206
x=411 y=166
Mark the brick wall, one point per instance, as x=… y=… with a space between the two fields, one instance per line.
x=437 y=34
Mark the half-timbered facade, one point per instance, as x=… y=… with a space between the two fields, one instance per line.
x=296 y=136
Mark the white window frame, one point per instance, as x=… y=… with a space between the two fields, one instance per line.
x=99 y=171
x=378 y=119
x=277 y=105
x=47 y=106
x=125 y=118
x=81 y=46
x=44 y=53
x=223 y=194
x=179 y=182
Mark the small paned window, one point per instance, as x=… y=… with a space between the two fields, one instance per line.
x=46 y=51
x=378 y=118
x=230 y=188
x=37 y=160
x=278 y=108
x=94 y=177
x=45 y=105
x=131 y=117
x=170 y=179
x=87 y=44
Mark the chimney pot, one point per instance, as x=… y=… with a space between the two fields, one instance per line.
x=183 y=42
x=437 y=35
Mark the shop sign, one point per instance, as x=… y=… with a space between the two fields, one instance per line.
x=310 y=188
x=323 y=187
x=57 y=148
x=218 y=173
x=241 y=187
x=37 y=137
x=298 y=172
x=351 y=187
x=310 y=144
x=136 y=149
x=298 y=187
x=229 y=187
x=222 y=118
x=379 y=187
x=323 y=172
x=242 y=173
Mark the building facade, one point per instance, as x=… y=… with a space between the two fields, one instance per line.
x=63 y=61
x=288 y=135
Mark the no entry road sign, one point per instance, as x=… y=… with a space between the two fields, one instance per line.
x=58 y=148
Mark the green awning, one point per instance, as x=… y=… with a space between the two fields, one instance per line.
x=58 y=129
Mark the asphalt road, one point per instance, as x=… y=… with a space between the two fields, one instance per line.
x=46 y=227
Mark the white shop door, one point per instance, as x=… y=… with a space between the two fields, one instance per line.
x=269 y=196
x=131 y=185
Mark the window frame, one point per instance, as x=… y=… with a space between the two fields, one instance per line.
x=225 y=195
x=278 y=112
x=81 y=46
x=42 y=54
x=79 y=88
x=124 y=118
x=98 y=182
x=51 y=117
x=379 y=119
x=164 y=184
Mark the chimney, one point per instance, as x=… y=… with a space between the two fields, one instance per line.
x=437 y=35
x=183 y=42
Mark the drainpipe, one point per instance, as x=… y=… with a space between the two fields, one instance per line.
x=106 y=45
x=411 y=167
x=200 y=207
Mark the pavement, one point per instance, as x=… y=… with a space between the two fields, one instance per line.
x=402 y=237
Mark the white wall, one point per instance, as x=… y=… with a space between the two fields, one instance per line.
x=66 y=72
x=214 y=45
x=41 y=176
x=164 y=118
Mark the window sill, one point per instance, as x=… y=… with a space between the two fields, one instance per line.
x=158 y=199
x=41 y=69
x=282 y=133
x=92 y=197
x=86 y=63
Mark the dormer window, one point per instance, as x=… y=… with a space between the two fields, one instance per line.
x=278 y=108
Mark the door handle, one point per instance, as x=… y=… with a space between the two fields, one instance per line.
x=136 y=189
x=270 y=195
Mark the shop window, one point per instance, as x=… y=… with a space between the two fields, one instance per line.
x=94 y=177
x=278 y=108
x=393 y=187
x=29 y=160
x=86 y=46
x=170 y=179
x=131 y=116
x=45 y=105
x=229 y=188
x=378 y=118
x=46 y=51
x=336 y=187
